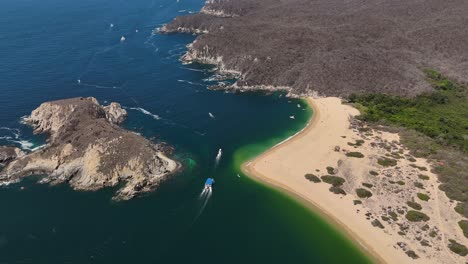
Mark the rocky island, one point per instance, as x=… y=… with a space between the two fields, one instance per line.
x=87 y=149
x=330 y=47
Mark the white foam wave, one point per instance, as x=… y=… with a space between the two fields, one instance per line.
x=6 y=183
x=146 y=112
x=192 y=83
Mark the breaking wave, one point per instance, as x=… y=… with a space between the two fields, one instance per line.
x=146 y=112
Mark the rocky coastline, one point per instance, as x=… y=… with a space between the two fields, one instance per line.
x=88 y=150
x=330 y=48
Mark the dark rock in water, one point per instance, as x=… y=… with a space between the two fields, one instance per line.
x=87 y=149
x=9 y=153
x=332 y=47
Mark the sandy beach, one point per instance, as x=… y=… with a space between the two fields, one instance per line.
x=331 y=134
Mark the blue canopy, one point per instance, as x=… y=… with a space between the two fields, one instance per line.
x=209 y=181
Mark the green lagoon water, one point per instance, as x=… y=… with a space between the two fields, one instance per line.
x=47 y=46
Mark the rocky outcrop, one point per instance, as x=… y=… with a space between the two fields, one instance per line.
x=9 y=153
x=90 y=151
x=333 y=47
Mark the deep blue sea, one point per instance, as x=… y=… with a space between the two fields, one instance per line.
x=53 y=49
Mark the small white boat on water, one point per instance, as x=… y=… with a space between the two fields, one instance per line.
x=122 y=39
x=292 y=117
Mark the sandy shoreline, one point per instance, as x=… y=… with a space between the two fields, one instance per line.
x=312 y=150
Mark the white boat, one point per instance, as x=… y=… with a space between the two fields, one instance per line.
x=122 y=39
x=292 y=117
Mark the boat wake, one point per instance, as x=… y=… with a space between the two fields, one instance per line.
x=204 y=197
x=218 y=157
x=146 y=112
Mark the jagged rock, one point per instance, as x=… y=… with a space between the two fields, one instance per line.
x=88 y=150
x=9 y=153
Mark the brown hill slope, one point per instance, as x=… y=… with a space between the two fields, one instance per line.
x=334 y=47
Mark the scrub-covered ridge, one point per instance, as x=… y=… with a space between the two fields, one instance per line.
x=333 y=47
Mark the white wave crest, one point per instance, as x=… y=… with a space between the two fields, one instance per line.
x=146 y=112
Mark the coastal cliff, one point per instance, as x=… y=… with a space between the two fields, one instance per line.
x=333 y=48
x=87 y=149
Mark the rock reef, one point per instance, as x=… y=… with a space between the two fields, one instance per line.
x=330 y=47
x=87 y=149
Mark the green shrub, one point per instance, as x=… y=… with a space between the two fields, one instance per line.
x=373 y=173
x=386 y=162
x=433 y=233
x=393 y=215
x=330 y=170
x=337 y=190
x=457 y=248
x=411 y=254
x=368 y=185
x=418 y=167
x=363 y=193
x=464 y=226
x=423 y=177
x=333 y=180
x=415 y=216
x=357 y=202
x=377 y=223
x=423 y=196
x=312 y=178
x=418 y=185
x=355 y=154
x=414 y=205
x=400 y=182
x=358 y=143
x=461 y=209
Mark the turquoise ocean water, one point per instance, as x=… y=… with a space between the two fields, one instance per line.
x=55 y=49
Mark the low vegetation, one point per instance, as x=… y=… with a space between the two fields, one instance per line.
x=337 y=190
x=457 y=248
x=431 y=125
x=373 y=173
x=363 y=193
x=421 y=168
x=386 y=162
x=423 y=177
x=463 y=224
x=423 y=196
x=414 y=205
x=333 y=180
x=418 y=185
x=415 y=216
x=330 y=170
x=368 y=185
x=355 y=154
x=358 y=143
x=312 y=178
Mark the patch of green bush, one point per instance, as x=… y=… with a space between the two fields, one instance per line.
x=418 y=167
x=337 y=190
x=373 y=173
x=386 y=162
x=440 y=114
x=414 y=205
x=400 y=182
x=312 y=178
x=330 y=170
x=363 y=193
x=333 y=180
x=463 y=224
x=457 y=248
x=355 y=154
x=368 y=185
x=415 y=216
x=423 y=196
x=418 y=185
x=355 y=202
x=423 y=177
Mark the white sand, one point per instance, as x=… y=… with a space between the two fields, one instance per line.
x=285 y=165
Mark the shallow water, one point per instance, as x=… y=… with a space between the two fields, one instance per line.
x=56 y=49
